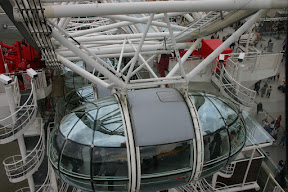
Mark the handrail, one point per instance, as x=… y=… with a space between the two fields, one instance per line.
x=243 y=95
x=45 y=187
x=40 y=81
x=276 y=188
x=16 y=91
x=16 y=166
x=7 y=129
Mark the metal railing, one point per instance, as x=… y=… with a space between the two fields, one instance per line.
x=18 y=168
x=17 y=122
x=16 y=91
x=40 y=82
x=45 y=187
x=239 y=93
x=272 y=185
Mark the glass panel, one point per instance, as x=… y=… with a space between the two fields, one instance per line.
x=55 y=147
x=109 y=163
x=109 y=130
x=237 y=136
x=164 y=182
x=216 y=146
x=83 y=130
x=67 y=123
x=210 y=118
x=72 y=157
x=162 y=158
x=256 y=134
x=228 y=114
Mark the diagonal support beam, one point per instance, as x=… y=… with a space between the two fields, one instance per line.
x=134 y=59
x=82 y=72
x=184 y=58
x=174 y=45
x=145 y=62
x=77 y=51
x=226 y=44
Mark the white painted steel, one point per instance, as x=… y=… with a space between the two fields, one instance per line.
x=135 y=58
x=121 y=56
x=176 y=50
x=144 y=20
x=145 y=63
x=132 y=162
x=11 y=129
x=184 y=57
x=199 y=158
x=226 y=44
x=86 y=58
x=82 y=72
x=159 y=36
x=116 y=49
x=100 y=9
x=19 y=169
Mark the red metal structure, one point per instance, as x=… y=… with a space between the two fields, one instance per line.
x=209 y=45
x=19 y=57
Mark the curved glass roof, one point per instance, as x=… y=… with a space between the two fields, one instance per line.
x=75 y=98
x=98 y=123
x=88 y=149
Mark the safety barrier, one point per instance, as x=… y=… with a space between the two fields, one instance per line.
x=18 y=122
x=45 y=187
x=240 y=94
x=18 y=168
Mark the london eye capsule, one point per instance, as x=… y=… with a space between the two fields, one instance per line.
x=148 y=140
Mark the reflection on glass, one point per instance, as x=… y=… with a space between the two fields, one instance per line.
x=56 y=147
x=109 y=162
x=227 y=112
x=162 y=158
x=72 y=157
x=216 y=146
x=237 y=136
x=210 y=118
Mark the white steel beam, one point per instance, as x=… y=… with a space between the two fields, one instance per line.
x=121 y=55
x=143 y=64
x=100 y=9
x=120 y=24
x=82 y=72
x=141 y=20
x=77 y=51
x=226 y=44
x=143 y=60
x=176 y=50
x=134 y=59
x=159 y=35
x=184 y=58
x=128 y=49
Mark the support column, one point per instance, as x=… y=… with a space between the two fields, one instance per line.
x=23 y=152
